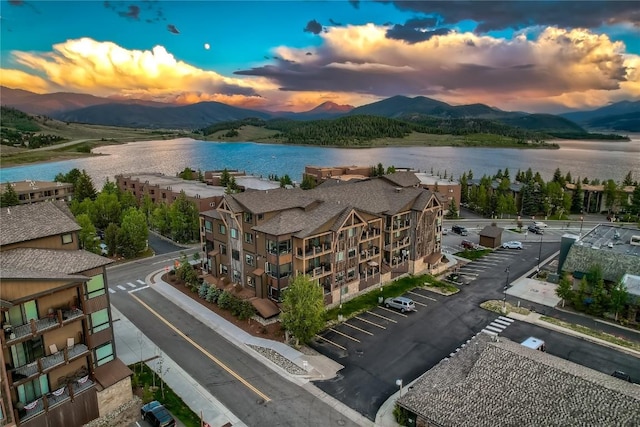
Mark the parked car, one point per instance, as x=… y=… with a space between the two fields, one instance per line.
x=157 y=415
x=540 y=224
x=468 y=244
x=400 y=303
x=445 y=231
x=104 y=249
x=512 y=245
x=622 y=375
x=458 y=229
x=535 y=229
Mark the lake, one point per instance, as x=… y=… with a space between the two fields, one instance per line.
x=603 y=160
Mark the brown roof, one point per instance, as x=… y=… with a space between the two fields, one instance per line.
x=110 y=373
x=51 y=260
x=36 y=220
x=491 y=231
x=266 y=308
x=403 y=179
x=7 y=272
x=503 y=383
x=433 y=258
x=271 y=200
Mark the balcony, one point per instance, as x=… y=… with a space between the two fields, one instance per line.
x=397 y=244
x=317 y=272
x=399 y=225
x=313 y=250
x=369 y=234
x=63 y=394
x=366 y=255
x=46 y=364
x=38 y=326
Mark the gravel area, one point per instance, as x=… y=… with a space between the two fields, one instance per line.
x=279 y=360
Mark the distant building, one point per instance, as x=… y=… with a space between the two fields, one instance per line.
x=503 y=383
x=214 y=177
x=58 y=361
x=320 y=174
x=595 y=199
x=448 y=190
x=39 y=191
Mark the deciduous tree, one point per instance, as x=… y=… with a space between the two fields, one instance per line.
x=303 y=309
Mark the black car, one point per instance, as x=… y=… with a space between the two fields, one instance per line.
x=157 y=415
x=622 y=375
x=458 y=229
x=535 y=229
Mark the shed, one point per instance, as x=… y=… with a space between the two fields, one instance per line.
x=491 y=236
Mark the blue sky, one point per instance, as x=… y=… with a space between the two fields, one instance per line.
x=535 y=56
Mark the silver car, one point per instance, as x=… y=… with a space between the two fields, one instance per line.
x=400 y=303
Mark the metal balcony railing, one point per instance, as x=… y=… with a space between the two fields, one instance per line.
x=38 y=326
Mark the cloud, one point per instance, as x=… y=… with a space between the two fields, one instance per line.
x=106 y=69
x=459 y=67
x=313 y=26
x=414 y=34
x=172 y=29
x=498 y=15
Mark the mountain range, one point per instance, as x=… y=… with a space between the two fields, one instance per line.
x=82 y=108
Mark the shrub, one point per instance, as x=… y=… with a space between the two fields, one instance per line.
x=246 y=310
x=235 y=305
x=203 y=290
x=147 y=394
x=401 y=415
x=224 y=300
x=212 y=294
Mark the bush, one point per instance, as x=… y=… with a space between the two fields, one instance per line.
x=147 y=394
x=225 y=300
x=203 y=291
x=212 y=294
x=401 y=415
x=246 y=310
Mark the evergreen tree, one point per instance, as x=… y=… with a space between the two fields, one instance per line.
x=628 y=179
x=453 y=209
x=110 y=187
x=577 y=198
x=285 y=180
x=225 y=177
x=391 y=169
x=557 y=176
x=70 y=177
x=635 y=201
x=611 y=194
x=307 y=182
x=380 y=170
x=506 y=173
x=565 y=288
x=469 y=174
x=83 y=187
x=568 y=179
x=9 y=197
x=464 y=189
x=618 y=297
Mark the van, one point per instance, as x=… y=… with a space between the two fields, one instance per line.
x=534 y=343
x=400 y=303
x=458 y=229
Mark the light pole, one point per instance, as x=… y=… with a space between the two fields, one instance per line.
x=506 y=286
x=539 y=255
x=399 y=384
x=581 y=222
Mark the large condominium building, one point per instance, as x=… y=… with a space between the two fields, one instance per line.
x=38 y=191
x=58 y=359
x=349 y=236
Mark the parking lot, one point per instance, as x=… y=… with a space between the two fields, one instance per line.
x=354 y=334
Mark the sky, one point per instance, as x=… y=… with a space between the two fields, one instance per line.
x=535 y=56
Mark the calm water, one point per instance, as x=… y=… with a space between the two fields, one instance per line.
x=582 y=158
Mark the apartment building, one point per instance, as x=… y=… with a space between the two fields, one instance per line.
x=59 y=363
x=449 y=190
x=38 y=191
x=349 y=236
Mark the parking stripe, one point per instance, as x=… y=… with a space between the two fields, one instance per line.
x=423 y=296
x=420 y=303
x=359 y=329
x=331 y=342
x=382 y=317
x=112 y=291
x=131 y=284
x=344 y=335
x=122 y=288
x=140 y=281
x=369 y=322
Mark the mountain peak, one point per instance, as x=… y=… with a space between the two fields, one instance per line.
x=332 y=107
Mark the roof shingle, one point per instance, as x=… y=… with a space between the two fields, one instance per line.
x=33 y=221
x=32 y=260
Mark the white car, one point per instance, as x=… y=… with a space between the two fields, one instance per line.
x=512 y=245
x=540 y=224
x=104 y=250
x=445 y=231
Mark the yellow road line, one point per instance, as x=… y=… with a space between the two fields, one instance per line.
x=355 y=327
x=331 y=342
x=345 y=335
x=203 y=351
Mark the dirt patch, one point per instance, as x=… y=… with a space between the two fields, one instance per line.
x=273 y=331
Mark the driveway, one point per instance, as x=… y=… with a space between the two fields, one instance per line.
x=162 y=245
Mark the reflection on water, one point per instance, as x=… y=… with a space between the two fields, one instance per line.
x=582 y=158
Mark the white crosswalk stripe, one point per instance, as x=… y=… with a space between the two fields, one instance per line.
x=141 y=282
x=112 y=291
x=497 y=326
x=131 y=284
x=122 y=288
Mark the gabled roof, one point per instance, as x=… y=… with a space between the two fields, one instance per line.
x=34 y=221
x=503 y=383
x=302 y=222
x=57 y=262
x=403 y=179
x=258 y=202
x=491 y=231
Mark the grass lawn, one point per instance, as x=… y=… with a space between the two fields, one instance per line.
x=142 y=382
x=596 y=334
x=473 y=254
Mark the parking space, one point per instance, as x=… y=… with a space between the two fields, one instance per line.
x=355 y=331
x=474 y=269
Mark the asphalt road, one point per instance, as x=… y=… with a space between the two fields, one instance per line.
x=289 y=404
x=163 y=246
x=408 y=348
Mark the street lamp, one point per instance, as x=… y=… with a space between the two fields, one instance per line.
x=506 y=286
x=581 y=222
x=399 y=384
x=539 y=255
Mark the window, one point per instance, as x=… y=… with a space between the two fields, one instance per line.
x=235 y=254
x=208 y=225
x=95 y=286
x=260 y=217
x=352 y=253
x=351 y=232
x=250 y=281
x=67 y=238
x=249 y=259
x=222 y=229
x=340 y=256
x=99 y=320
x=248 y=217
x=30 y=391
x=275 y=270
x=234 y=233
x=104 y=354
x=224 y=269
x=248 y=237
x=236 y=276
x=351 y=274
x=223 y=249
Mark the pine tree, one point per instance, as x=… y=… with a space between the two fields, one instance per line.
x=83 y=188
x=577 y=198
x=9 y=197
x=628 y=179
